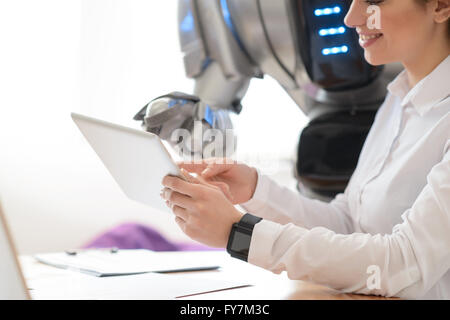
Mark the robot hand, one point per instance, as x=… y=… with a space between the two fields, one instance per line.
x=192 y=127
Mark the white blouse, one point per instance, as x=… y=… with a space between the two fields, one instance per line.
x=389 y=232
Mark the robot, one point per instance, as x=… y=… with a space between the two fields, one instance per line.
x=305 y=46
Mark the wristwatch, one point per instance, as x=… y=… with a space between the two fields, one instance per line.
x=240 y=236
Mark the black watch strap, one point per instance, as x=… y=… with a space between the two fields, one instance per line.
x=248 y=221
x=240 y=236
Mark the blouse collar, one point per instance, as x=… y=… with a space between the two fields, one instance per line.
x=428 y=92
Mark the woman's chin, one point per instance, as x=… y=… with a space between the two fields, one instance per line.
x=374 y=59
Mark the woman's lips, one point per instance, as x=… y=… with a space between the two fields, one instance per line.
x=366 y=40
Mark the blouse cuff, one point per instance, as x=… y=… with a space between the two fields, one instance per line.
x=265 y=235
x=260 y=196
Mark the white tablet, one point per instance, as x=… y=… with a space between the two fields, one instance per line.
x=137 y=160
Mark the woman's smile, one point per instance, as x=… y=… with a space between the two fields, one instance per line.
x=366 y=40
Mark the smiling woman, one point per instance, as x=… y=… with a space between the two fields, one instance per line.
x=393 y=220
x=410 y=31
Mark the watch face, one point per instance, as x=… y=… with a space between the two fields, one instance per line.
x=241 y=243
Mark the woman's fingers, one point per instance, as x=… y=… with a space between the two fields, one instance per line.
x=214 y=169
x=180 y=212
x=193 y=167
x=181 y=186
x=178 y=199
x=221 y=185
x=225 y=188
x=189 y=177
x=181 y=223
x=208 y=167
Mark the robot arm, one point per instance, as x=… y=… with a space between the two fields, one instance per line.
x=213 y=54
x=214 y=57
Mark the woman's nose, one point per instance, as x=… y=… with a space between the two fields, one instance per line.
x=356 y=15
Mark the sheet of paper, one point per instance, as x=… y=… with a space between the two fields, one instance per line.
x=122 y=262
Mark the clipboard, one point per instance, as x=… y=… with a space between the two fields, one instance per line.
x=113 y=262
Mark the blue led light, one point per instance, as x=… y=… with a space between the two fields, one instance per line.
x=331 y=31
x=209 y=115
x=334 y=50
x=187 y=24
x=174 y=102
x=327 y=11
x=229 y=22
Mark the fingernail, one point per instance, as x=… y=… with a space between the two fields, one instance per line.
x=166 y=193
x=206 y=171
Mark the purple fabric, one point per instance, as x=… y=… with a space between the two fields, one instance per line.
x=138 y=236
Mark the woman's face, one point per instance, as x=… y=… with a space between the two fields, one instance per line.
x=403 y=33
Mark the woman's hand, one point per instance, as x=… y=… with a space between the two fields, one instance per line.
x=237 y=181
x=202 y=210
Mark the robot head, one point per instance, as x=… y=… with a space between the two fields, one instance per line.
x=332 y=57
x=342 y=115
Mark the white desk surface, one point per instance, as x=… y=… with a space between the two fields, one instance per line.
x=264 y=284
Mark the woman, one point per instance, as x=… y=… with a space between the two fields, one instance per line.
x=393 y=220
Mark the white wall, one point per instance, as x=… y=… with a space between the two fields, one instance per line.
x=104 y=58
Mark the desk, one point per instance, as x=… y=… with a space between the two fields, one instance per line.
x=266 y=285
